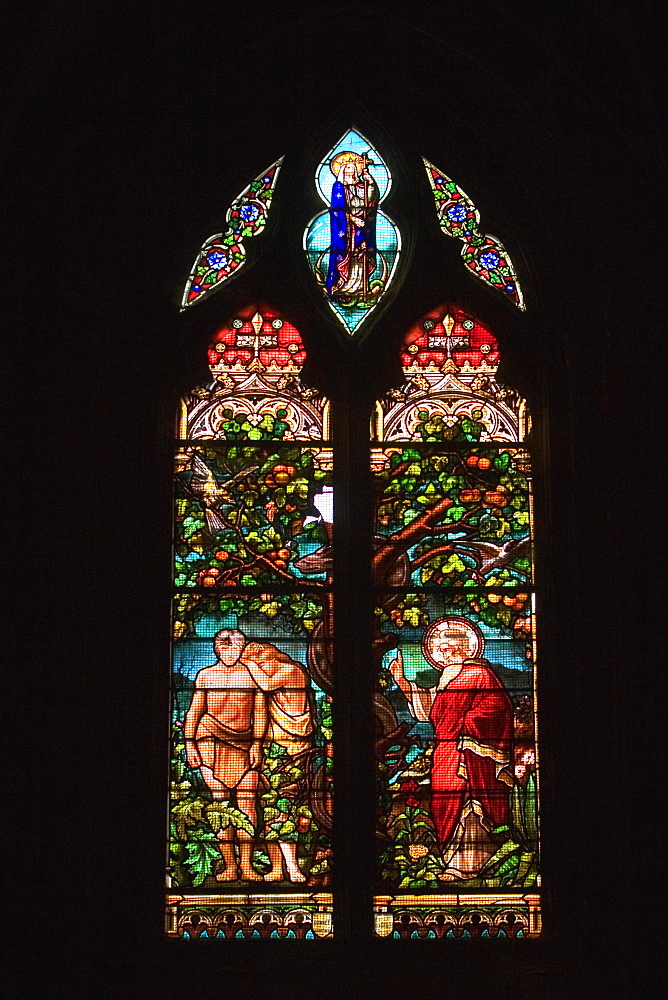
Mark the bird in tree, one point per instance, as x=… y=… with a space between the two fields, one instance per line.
x=213 y=495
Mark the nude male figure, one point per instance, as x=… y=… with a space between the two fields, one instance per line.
x=224 y=730
x=290 y=725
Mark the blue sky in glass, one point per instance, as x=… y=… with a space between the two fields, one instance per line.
x=192 y=655
x=316 y=242
x=356 y=143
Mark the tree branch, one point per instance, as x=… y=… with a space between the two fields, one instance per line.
x=496 y=556
x=421 y=527
x=426 y=556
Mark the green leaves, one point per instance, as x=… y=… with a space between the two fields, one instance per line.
x=188 y=814
x=221 y=815
x=512 y=865
x=256 y=502
x=202 y=856
x=413 y=616
x=414 y=856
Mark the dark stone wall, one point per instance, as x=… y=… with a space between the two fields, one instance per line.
x=128 y=130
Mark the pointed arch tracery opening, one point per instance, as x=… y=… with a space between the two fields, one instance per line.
x=252 y=683
x=453 y=636
x=454 y=641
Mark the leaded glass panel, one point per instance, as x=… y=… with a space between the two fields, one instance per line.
x=251 y=795
x=454 y=643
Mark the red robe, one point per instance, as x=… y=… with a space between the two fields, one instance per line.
x=473 y=724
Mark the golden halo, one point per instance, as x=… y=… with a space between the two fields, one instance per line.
x=346 y=157
x=453 y=625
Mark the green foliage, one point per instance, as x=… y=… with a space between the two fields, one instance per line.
x=515 y=863
x=221 y=815
x=286 y=811
x=410 y=610
x=295 y=613
x=263 y=534
x=478 y=497
x=193 y=844
x=433 y=427
x=325 y=717
x=237 y=426
x=525 y=809
x=511 y=865
x=413 y=860
x=189 y=814
x=202 y=857
x=286 y=794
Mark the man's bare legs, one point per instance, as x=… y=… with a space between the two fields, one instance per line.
x=226 y=848
x=275 y=874
x=247 y=804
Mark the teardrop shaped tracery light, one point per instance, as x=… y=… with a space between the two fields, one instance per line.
x=353 y=247
x=224 y=254
x=484 y=255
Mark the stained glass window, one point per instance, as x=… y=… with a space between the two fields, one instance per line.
x=454 y=643
x=353 y=247
x=453 y=636
x=484 y=255
x=251 y=803
x=224 y=254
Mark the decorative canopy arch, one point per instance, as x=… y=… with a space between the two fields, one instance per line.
x=256 y=394
x=450 y=359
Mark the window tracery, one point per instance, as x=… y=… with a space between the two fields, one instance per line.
x=454 y=623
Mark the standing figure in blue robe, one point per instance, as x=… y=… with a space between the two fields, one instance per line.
x=352 y=254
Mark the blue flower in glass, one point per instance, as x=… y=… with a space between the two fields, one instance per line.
x=217 y=260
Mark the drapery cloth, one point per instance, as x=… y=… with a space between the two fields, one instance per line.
x=471 y=770
x=225 y=751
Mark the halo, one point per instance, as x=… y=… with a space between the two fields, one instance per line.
x=456 y=625
x=347 y=156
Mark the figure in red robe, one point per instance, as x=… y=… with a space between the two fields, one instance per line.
x=472 y=717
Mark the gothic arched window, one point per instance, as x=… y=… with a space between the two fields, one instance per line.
x=258 y=664
x=453 y=644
